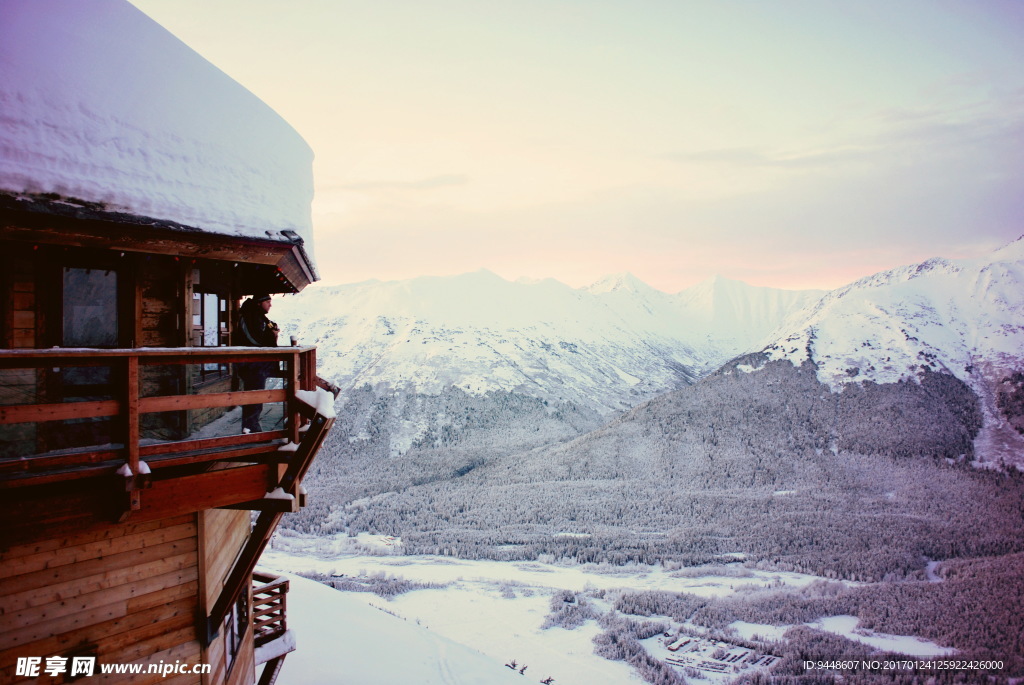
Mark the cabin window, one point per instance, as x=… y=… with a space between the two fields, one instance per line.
x=90 y=308
x=89 y=318
x=210 y=329
x=236 y=623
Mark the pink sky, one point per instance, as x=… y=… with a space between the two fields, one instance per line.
x=788 y=144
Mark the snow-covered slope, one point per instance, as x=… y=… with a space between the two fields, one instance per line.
x=339 y=639
x=606 y=347
x=100 y=103
x=963 y=317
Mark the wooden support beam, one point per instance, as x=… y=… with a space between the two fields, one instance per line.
x=207 y=490
x=241 y=574
x=266 y=522
x=268 y=676
x=62 y=508
x=284 y=506
x=303 y=457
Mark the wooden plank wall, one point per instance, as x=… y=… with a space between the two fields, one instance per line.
x=222 y=534
x=18 y=305
x=21 y=283
x=159 y=286
x=244 y=670
x=127 y=593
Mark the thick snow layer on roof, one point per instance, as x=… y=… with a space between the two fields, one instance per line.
x=98 y=102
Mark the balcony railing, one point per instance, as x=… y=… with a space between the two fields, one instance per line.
x=269 y=607
x=125 y=391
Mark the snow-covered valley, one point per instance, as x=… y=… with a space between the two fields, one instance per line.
x=471 y=620
x=752 y=472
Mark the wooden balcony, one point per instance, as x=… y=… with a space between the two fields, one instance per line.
x=269 y=607
x=137 y=472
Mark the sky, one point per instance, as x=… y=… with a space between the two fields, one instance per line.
x=793 y=143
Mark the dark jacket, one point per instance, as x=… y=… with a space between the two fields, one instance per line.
x=254 y=328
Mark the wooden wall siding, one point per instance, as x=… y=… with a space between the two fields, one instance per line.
x=159 y=288
x=214 y=655
x=19 y=309
x=243 y=672
x=127 y=593
x=21 y=278
x=222 y=534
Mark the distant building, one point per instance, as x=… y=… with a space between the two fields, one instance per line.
x=143 y=195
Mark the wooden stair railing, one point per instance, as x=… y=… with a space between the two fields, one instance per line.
x=269 y=607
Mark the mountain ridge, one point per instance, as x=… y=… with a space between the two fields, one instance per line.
x=621 y=338
x=962 y=317
x=618 y=342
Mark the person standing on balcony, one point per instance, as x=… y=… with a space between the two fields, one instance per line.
x=255 y=330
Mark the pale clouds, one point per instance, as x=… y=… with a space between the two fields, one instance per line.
x=786 y=143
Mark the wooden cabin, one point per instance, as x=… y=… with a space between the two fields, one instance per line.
x=133 y=510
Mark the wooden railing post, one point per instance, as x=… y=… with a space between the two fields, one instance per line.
x=310 y=379
x=131 y=438
x=290 y=407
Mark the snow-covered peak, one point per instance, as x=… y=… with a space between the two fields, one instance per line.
x=624 y=281
x=477 y=331
x=963 y=317
x=714 y=283
x=736 y=315
x=100 y=103
x=1013 y=251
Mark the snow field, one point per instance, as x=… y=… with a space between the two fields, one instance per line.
x=847 y=627
x=485 y=614
x=342 y=640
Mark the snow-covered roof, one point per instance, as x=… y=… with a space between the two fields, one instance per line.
x=100 y=103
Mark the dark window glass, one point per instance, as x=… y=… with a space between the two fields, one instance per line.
x=90 y=308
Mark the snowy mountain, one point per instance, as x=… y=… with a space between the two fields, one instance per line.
x=734 y=316
x=618 y=342
x=962 y=317
x=606 y=347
